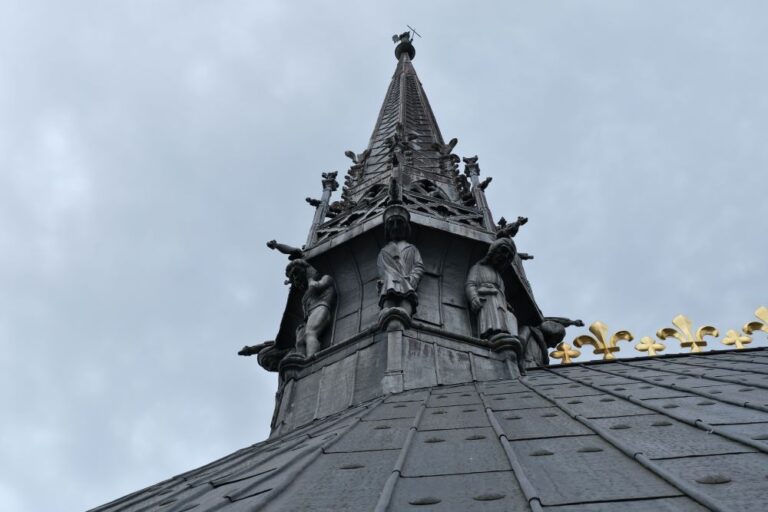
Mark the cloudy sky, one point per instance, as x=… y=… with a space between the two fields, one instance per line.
x=149 y=149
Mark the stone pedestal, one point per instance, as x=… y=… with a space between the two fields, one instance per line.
x=380 y=363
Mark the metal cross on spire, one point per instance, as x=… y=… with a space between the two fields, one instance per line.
x=405 y=36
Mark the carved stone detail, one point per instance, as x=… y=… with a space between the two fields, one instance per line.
x=485 y=290
x=508 y=230
x=487 y=299
x=318 y=298
x=400 y=270
x=294 y=253
x=537 y=339
x=267 y=354
x=329 y=181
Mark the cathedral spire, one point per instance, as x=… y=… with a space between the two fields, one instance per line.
x=406 y=145
x=405 y=125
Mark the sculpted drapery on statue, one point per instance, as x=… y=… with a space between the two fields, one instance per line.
x=485 y=290
x=317 y=300
x=400 y=266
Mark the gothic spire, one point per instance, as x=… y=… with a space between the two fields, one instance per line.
x=406 y=145
x=406 y=132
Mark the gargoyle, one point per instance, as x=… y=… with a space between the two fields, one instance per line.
x=338 y=207
x=547 y=334
x=357 y=159
x=267 y=355
x=470 y=161
x=525 y=256
x=565 y=322
x=509 y=230
x=462 y=185
x=484 y=184
x=313 y=202
x=445 y=149
x=401 y=141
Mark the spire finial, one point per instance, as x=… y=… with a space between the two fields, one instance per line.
x=404 y=43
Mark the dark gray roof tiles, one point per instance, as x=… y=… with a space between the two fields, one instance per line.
x=664 y=434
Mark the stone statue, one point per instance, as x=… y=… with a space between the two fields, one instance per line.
x=537 y=339
x=400 y=267
x=317 y=300
x=485 y=290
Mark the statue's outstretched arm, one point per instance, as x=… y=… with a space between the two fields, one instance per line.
x=292 y=252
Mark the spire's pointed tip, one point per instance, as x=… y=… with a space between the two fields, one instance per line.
x=404 y=45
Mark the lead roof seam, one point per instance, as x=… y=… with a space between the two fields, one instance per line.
x=149 y=492
x=738 y=357
x=703 y=365
x=683 y=486
x=745 y=404
x=385 y=498
x=702 y=375
x=683 y=419
x=529 y=491
x=658 y=410
x=298 y=440
x=316 y=453
x=134 y=498
x=233 y=464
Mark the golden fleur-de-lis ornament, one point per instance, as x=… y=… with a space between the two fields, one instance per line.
x=603 y=344
x=684 y=334
x=565 y=353
x=650 y=345
x=762 y=314
x=738 y=340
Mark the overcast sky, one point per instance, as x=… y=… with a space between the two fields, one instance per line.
x=149 y=149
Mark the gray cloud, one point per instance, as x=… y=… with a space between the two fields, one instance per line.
x=147 y=151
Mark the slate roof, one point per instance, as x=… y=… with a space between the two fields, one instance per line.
x=670 y=433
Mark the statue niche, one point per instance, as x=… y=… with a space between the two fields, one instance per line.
x=400 y=270
x=318 y=295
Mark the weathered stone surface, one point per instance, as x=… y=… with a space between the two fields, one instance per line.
x=420 y=365
x=452 y=366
